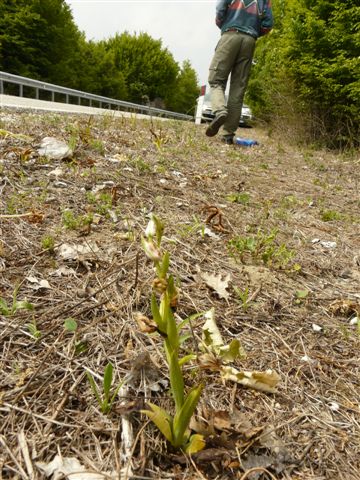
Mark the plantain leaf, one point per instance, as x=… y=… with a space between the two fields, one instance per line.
x=161 y=419
x=183 y=416
x=195 y=444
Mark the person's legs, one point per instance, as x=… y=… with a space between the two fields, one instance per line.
x=220 y=68
x=240 y=74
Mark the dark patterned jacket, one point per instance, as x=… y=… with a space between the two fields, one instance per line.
x=253 y=17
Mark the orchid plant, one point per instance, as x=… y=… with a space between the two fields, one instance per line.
x=164 y=297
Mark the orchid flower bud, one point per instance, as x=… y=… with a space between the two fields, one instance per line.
x=150 y=231
x=151 y=250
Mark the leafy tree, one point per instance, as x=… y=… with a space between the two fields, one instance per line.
x=149 y=70
x=183 y=97
x=310 y=68
x=37 y=39
x=97 y=73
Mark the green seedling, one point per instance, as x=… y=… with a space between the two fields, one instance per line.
x=175 y=428
x=261 y=247
x=33 y=330
x=242 y=198
x=105 y=400
x=301 y=296
x=10 y=310
x=141 y=165
x=97 y=145
x=103 y=202
x=48 y=243
x=330 y=215
x=186 y=230
x=73 y=222
x=243 y=297
x=70 y=325
x=159 y=138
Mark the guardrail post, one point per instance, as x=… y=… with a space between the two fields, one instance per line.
x=1 y=87
x=67 y=98
x=37 y=93
x=21 y=91
x=53 y=96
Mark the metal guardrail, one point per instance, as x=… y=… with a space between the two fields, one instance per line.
x=103 y=102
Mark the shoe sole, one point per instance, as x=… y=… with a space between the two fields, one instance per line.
x=215 y=125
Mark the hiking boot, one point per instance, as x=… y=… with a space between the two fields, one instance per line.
x=216 y=123
x=228 y=139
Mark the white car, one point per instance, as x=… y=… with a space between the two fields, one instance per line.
x=207 y=114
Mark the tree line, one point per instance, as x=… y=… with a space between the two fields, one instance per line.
x=306 y=75
x=39 y=39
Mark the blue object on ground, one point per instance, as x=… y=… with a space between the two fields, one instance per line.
x=246 y=142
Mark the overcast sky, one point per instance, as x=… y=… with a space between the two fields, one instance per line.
x=186 y=27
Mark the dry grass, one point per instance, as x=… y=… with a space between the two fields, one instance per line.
x=308 y=430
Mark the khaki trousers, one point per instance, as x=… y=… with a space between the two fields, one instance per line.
x=233 y=56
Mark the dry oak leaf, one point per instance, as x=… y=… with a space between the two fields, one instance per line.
x=218 y=284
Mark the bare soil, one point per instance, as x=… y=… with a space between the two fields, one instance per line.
x=70 y=245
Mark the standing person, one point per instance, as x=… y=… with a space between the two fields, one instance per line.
x=241 y=23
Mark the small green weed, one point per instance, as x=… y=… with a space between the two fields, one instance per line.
x=73 y=222
x=159 y=138
x=10 y=310
x=70 y=325
x=48 y=243
x=196 y=226
x=262 y=247
x=243 y=296
x=102 y=201
x=97 y=145
x=33 y=330
x=243 y=198
x=330 y=215
x=301 y=296
x=105 y=399
x=141 y=165
x=289 y=201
